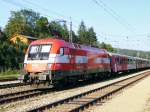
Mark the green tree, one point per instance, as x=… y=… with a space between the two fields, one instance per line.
x=91 y=37
x=107 y=47
x=22 y=22
x=2 y=36
x=65 y=32
x=75 y=38
x=56 y=29
x=82 y=34
x=86 y=35
x=41 y=28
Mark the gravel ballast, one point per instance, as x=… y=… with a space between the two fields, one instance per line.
x=51 y=97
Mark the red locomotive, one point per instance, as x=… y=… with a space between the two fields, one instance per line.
x=53 y=60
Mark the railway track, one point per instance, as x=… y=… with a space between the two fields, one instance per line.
x=84 y=100
x=13 y=85
x=12 y=97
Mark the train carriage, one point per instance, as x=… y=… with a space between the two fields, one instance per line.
x=118 y=62
x=142 y=63
x=131 y=63
x=121 y=63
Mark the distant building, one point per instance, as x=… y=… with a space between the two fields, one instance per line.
x=23 y=38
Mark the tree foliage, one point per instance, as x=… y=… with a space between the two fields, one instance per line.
x=41 y=28
x=107 y=47
x=11 y=55
x=22 y=22
x=86 y=35
x=82 y=33
x=3 y=37
x=91 y=35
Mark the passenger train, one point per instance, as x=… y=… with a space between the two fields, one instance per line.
x=54 y=61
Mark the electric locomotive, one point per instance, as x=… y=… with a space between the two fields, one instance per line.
x=53 y=61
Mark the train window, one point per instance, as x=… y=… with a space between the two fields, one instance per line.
x=131 y=61
x=39 y=52
x=45 y=48
x=44 y=52
x=34 y=49
x=33 y=52
x=61 y=52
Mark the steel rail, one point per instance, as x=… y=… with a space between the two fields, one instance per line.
x=13 y=85
x=11 y=97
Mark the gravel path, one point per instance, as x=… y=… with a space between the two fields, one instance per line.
x=134 y=99
x=51 y=97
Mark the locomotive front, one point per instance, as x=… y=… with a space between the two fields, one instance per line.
x=39 y=61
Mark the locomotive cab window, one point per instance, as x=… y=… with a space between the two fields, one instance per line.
x=39 y=52
x=34 y=49
x=45 y=50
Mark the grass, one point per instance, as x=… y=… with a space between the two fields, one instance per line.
x=9 y=74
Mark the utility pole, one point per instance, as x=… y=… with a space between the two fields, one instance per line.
x=70 y=33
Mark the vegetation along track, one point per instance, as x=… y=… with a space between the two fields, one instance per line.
x=84 y=100
x=7 y=98
x=12 y=79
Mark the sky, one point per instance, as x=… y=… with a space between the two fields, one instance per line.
x=121 y=23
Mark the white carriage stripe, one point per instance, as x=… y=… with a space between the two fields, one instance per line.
x=53 y=58
x=131 y=66
x=102 y=60
x=81 y=59
x=61 y=59
x=57 y=58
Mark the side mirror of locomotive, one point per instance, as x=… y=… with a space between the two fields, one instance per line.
x=61 y=51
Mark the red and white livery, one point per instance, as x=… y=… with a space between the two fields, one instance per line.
x=53 y=60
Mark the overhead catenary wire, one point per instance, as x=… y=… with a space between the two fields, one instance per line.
x=12 y=2
x=121 y=21
x=117 y=15
x=108 y=36
x=113 y=14
x=45 y=9
x=64 y=17
x=52 y=12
